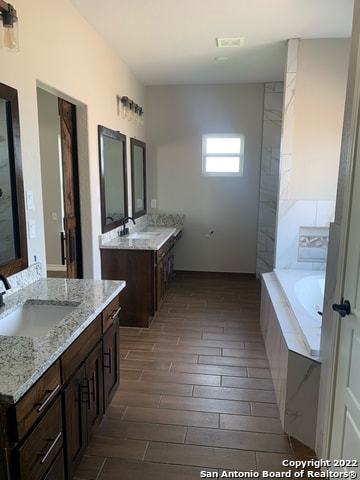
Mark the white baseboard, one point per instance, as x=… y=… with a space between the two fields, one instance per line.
x=55 y=268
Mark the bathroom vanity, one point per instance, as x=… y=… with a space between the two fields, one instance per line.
x=56 y=386
x=145 y=260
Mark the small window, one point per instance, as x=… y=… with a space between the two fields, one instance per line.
x=223 y=155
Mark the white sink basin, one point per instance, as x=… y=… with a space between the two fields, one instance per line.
x=143 y=235
x=34 y=319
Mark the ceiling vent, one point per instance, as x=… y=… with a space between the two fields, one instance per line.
x=225 y=42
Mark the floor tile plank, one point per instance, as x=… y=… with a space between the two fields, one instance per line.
x=196 y=394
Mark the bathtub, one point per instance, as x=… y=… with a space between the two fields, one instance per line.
x=304 y=292
x=291 y=328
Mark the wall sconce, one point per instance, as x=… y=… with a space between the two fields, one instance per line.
x=131 y=110
x=9 y=38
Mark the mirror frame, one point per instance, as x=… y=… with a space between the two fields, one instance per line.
x=134 y=142
x=10 y=95
x=116 y=135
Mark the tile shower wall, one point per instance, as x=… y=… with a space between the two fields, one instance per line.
x=295 y=216
x=269 y=177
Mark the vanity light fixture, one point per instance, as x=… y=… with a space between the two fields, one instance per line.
x=9 y=38
x=131 y=110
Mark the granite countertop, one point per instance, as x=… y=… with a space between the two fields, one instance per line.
x=154 y=242
x=23 y=359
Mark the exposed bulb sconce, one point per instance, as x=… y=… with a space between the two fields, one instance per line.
x=131 y=110
x=9 y=38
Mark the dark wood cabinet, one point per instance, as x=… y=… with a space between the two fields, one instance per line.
x=111 y=362
x=38 y=451
x=136 y=267
x=164 y=270
x=44 y=435
x=75 y=420
x=147 y=274
x=83 y=404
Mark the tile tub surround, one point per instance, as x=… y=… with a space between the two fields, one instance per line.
x=295 y=374
x=22 y=359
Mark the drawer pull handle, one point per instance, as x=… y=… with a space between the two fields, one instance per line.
x=109 y=354
x=51 y=448
x=85 y=393
x=93 y=393
x=51 y=395
x=115 y=313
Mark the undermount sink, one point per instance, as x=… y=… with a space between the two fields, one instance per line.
x=34 y=318
x=143 y=235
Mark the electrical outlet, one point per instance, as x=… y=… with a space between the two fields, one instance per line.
x=153 y=203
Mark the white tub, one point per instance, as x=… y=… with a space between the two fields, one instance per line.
x=304 y=292
x=291 y=330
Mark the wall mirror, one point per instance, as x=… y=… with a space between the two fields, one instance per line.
x=13 y=245
x=113 y=186
x=138 y=177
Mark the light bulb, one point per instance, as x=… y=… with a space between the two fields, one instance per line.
x=9 y=38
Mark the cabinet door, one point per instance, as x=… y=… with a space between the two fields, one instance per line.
x=94 y=379
x=76 y=399
x=111 y=362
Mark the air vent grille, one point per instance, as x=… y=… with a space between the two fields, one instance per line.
x=225 y=42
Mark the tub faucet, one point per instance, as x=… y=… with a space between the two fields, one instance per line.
x=7 y=287
x=125 y=230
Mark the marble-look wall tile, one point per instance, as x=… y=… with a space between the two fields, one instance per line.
x=294 y=214
x=292 y=55
x=292 y=217
x=269 y=177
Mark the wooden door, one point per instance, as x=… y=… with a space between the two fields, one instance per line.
x=70 y=189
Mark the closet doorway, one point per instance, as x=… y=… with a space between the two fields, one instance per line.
x=60 y=185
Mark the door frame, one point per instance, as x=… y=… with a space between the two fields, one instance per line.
x=79 y=152
x=337 y=251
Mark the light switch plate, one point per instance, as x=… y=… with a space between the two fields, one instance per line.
x=32 y=229
x=30 y=200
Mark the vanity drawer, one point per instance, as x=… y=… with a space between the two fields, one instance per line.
x=110 y=313
x=164 y=249
x=33 y=404
x=38 y=452
x=80 y=349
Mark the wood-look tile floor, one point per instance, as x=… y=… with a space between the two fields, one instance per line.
x=196 y=393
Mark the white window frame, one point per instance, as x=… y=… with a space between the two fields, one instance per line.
x=237 y=155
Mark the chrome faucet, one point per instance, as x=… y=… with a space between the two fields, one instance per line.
x=7 y=287
x=125 y=230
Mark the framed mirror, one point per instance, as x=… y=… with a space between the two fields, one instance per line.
x=138 y=177
x=13 y=244
x=113 y=186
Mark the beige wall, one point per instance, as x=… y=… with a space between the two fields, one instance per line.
x=227 y=206
x=319 y=110
x=62 y=53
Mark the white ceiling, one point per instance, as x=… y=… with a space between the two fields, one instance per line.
x=167 y=42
